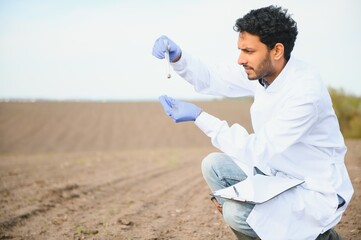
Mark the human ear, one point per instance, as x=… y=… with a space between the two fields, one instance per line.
x=278 y=51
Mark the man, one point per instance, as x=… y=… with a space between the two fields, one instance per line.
x=296 y=132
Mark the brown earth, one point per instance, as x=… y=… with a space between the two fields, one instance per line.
x=117 y=171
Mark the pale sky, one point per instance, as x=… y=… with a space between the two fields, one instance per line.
x=101 y=50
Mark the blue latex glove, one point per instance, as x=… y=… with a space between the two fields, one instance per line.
x=160 y=47
x=179 y=111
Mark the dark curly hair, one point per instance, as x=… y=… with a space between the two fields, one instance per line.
x=273 y=25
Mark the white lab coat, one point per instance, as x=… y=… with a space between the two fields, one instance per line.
x=296 y=135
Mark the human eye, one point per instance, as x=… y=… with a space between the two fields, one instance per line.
x=248 y=51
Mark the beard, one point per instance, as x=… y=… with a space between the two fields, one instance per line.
x=264 y=69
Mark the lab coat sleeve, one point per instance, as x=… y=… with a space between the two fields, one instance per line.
x=223 y=80
x=283 y=130
x=230 y=140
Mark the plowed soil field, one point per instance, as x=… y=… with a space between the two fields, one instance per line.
x=90 y=170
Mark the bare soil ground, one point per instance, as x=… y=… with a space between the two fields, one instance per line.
x=117 y=171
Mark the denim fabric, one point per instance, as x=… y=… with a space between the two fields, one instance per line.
x=220 y=171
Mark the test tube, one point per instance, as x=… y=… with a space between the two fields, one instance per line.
x=166 y=57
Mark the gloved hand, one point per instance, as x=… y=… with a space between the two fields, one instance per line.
x=160 y=47
x=179 y=111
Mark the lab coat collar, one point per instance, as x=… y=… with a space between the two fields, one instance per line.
x=282 y=77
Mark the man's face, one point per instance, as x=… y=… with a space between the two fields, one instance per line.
x=255 y=57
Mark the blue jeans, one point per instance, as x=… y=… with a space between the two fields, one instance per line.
x=220 y=171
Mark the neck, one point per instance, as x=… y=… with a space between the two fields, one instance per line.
x=278 y=67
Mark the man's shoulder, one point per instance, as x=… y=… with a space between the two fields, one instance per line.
x=304 y=68
x=306 y=80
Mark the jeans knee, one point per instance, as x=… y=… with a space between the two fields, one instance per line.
x=210 y=161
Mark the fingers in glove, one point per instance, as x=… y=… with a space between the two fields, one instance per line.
x=172 y=102
x=159 y=48
x=167 y=105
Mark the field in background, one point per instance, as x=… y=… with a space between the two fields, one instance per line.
x=117 y=171
x=348 y=111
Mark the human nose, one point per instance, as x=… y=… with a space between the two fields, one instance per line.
x=242 y=59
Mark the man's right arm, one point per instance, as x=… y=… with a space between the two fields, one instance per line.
x=222 y=80
x=225 y=80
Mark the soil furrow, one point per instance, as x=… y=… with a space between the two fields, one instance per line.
x=109 y=171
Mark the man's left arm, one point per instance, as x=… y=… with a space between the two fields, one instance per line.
x=286 y=128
